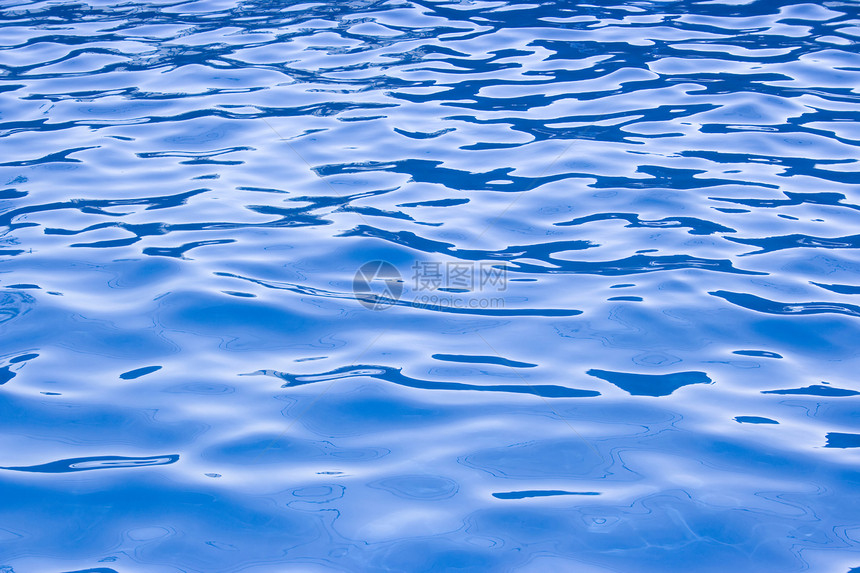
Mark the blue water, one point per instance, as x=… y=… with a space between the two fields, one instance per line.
x=647 y=362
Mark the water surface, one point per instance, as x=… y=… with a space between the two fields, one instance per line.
x=663 y=379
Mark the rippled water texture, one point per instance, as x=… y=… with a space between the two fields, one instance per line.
x=665 y=381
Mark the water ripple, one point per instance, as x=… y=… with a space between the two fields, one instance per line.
x=655 y=207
